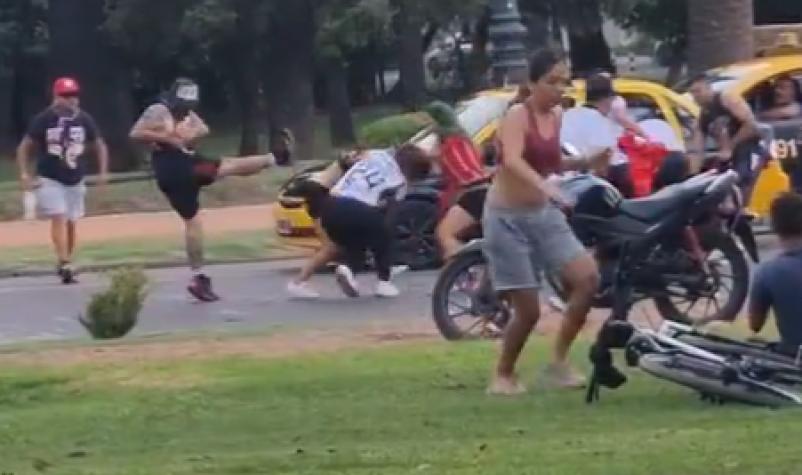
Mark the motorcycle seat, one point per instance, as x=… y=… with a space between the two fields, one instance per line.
x=652 y=208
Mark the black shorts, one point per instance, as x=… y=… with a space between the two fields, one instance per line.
x=180 y=178
x=473 y=201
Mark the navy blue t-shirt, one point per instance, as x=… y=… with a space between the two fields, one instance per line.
x=778 y=286
x=61 y=144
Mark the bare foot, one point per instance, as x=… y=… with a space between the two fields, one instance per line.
x=506 y=386
x=562 y=376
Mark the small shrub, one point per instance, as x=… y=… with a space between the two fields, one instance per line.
x=394 y=130
x=114 y=312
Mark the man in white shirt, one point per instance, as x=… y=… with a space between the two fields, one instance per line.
x=591 y=129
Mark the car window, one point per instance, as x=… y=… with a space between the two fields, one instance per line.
x=761 y=97
x=642 y=107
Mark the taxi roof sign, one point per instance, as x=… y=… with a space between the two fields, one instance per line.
x=778 y=40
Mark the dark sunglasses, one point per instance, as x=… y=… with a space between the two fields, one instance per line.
x=70 y=95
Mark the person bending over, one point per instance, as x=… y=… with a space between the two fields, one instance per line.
x=357 y=214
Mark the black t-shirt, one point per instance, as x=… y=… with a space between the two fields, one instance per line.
x=61 y=144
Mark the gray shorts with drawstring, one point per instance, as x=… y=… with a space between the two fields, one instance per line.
x=522 y=243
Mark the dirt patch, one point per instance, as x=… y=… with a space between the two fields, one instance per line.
x=281 y=345
x=272 y=346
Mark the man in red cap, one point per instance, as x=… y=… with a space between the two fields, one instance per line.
x=60 y=137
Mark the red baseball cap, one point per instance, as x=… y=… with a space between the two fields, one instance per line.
x=66 y=86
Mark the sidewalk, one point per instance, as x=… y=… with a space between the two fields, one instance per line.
x=140 y=225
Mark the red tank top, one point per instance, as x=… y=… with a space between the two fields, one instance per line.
x=543 y=155
x=461 y=165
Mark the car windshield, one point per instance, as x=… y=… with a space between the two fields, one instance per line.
x=473 y=115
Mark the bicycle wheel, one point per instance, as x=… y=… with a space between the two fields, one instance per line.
x=707 y=378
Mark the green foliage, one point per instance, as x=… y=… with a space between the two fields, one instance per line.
x=23 y=30
x=113 y=313
x=664 y=20
x=346 y=25
x=394 y=130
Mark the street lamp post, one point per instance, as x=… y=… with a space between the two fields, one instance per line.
x=507 y=35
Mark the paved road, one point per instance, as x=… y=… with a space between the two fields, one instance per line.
x=254 y=298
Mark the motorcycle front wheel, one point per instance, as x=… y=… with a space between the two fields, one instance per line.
x=464 y=305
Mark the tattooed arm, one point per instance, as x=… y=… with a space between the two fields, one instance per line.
x=153 y=128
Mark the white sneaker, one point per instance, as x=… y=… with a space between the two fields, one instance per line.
x=387 y=290
x=348 y=284
x=395 y=271
x=302 y=291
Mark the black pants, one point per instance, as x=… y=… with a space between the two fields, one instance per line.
x=355 y=226
x=674 y=169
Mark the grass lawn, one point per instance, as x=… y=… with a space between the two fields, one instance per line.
x=248 y=245
x=414 y=408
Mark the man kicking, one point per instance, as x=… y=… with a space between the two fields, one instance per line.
x=171 y=127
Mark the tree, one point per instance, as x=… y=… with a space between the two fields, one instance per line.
x=227 y=31
x=411 y=16
x=288 y=72
x=343 y=28
x=588 y=47
x=80 y=48
x=719 y=32
x=23 y=47
x=663 y=20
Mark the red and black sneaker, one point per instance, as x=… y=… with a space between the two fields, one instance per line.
x=201 y=288
x=66 y=273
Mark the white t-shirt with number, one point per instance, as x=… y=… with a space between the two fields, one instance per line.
x=371 y=179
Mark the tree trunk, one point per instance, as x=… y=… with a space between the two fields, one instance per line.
x=410 y=54
x=589 y=51
x=7 y=135
x=675 y=67
x=289 y=74
x=245 y=69
x=341 y=122
x=719 y=33
x=79 y=48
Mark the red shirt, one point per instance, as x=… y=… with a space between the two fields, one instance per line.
x=461 y=165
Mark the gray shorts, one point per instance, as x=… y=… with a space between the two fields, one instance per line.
x=56 y=199
x=521 y=244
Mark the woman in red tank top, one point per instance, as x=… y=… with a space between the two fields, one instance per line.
x=526 y=234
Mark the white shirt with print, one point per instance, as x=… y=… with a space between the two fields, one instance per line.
x=371 y=179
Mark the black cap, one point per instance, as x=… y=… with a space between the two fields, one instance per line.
x=599 y=87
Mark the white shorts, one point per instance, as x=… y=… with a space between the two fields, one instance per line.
x=56 y=199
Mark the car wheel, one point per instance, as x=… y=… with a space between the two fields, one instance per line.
x=414 y=224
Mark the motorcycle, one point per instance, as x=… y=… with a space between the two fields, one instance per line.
x=677 y=248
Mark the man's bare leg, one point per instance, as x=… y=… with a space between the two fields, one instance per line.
x=72 y=228
x=245 y=166
x=325 y=254
x=193 y=235
x=527 y=313
x=455 y=223
x=59 y=236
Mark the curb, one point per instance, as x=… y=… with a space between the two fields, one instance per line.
x=99 y=268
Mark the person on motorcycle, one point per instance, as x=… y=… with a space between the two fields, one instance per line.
x=728 y=120
x=777 y=283
x=526 y=231
x=466 y=180
x=357 y=214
